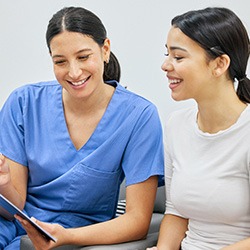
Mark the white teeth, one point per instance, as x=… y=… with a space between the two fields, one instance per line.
x=78 y=83
x=174 y=81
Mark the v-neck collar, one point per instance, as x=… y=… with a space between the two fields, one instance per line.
x=93 y=139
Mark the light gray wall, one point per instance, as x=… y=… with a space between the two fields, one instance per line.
x=137 y=29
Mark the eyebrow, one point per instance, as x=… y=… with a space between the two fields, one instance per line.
x=80 y=51
x=175 y=48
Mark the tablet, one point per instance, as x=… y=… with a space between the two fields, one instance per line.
x=8 y=210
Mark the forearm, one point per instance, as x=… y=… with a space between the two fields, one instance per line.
x=241 y=245
x=12 y=195
x=172 y=232
x=125 y=228
x=13 y=181
x=133 y=225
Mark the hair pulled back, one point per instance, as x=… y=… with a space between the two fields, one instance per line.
x=81 y=20
x=219 y=31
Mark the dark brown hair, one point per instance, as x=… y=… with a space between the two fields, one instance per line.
x=78 y=19
x=220 y=31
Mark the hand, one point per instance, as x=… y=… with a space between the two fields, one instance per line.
x=39 y=241
x=4 y=171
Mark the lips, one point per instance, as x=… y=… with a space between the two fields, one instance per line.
x=79 y=83
x=174 y=82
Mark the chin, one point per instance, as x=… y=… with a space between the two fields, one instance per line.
x=177 y=98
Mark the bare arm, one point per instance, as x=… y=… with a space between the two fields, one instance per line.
x=172 y=232
x=133 y=225
x=13 y=181
x=241 y=245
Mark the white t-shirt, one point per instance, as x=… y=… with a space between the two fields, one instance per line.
x=207 y=180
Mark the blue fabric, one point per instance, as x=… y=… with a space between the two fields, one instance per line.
x=10 y=231
x=79 y=187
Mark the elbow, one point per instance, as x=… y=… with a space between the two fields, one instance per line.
x=141 y=228
x=142 y=234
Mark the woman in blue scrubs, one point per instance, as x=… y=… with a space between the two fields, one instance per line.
x=68 y=144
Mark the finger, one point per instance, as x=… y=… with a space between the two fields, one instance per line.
x=4 y=167
x=32 y=232
x=21 y=220
x=1 y=159
x=34 y=219
x=44 y=225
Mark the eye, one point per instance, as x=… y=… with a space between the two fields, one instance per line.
x=178 y=58
x=83 y=58
x=59 y=62
x=166 y=54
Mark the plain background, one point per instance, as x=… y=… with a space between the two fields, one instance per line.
x=137 y=29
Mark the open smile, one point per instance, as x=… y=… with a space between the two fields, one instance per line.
x=79 y=83
x=173 y=83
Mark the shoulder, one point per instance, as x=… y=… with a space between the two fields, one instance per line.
x=35 y=90
x=246 y=112
x=181 y=116
x=36 y=87
x=127 y=107
x=243 y=122
x=133 y=99
x=33 y=93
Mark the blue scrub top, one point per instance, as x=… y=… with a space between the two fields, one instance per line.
x=79 y=187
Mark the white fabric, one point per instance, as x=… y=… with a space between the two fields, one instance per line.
x=207 y=179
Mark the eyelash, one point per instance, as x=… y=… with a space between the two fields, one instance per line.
x=82 y=58
x=177 y=58
x=59 y=62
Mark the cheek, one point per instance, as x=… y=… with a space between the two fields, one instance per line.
x=191 y=71
x=58 y=72
x=184 y=71
x=95 y=66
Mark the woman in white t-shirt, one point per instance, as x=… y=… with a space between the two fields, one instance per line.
x=207 y=148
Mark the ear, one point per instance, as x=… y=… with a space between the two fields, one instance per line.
x=221 y=65
x=106 y=50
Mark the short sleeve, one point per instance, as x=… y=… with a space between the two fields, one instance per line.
x=144 y=153
x=12 y=128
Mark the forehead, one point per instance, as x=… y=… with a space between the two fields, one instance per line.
x=177 y=39
x=71 y=41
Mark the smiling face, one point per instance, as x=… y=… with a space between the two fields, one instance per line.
x=187 y=67
x=78 y=63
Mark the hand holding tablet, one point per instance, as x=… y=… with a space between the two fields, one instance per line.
x=8 y=210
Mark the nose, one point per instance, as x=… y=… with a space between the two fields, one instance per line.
x=167 y=65
x=74 y=70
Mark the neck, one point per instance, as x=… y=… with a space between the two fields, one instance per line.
x=83 y=106
x=219 y=114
